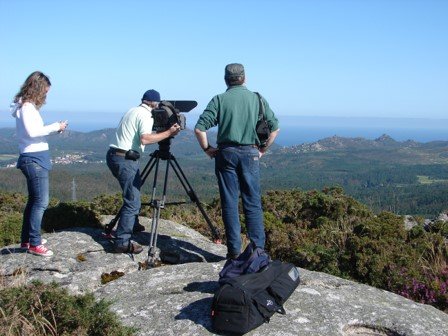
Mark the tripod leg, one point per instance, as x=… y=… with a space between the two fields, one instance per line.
x=194 y=198
x=154 y=251
x=109 y=227
x=147 y=170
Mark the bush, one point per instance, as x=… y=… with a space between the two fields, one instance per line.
x=330 y=232
x=39 y=309
x=439 y=227
x=11 y=209
x=12 y=202
x=10 y=228
x=107 y=204
x=72 y=214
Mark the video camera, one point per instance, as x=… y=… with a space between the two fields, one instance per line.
x=168 y=113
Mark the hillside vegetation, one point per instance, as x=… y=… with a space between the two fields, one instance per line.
x=326 y=231
x=401 y=177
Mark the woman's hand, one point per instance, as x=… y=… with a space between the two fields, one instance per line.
x=62 y=126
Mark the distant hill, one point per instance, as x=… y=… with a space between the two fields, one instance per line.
x=185 y=143
x=406 y=177
x=341 y=143
x=384 y=149
x=97 y=142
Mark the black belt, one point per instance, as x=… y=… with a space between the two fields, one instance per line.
x=231 y=144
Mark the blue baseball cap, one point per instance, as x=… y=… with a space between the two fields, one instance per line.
x=151 y=95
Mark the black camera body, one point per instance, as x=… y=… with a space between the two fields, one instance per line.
x=166 y=115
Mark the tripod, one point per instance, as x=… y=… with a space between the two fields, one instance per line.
x=164 y=153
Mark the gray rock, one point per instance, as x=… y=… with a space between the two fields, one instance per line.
x=409 y=222
x=82 y=255
x=176 y=299
x=443 y=216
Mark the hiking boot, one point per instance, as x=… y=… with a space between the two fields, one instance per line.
x=40 y=250
x=26 y=246
x=132 y=248
x=138 y=228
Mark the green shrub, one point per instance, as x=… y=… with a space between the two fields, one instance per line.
x=107 y=204
x=11 y=209
x=10 y=228
x=12 y=202
x=73 y=214
x=439 y=227
x=39 y=309
x=331 y=232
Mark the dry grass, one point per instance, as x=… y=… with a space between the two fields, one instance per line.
x=15 y=323
x=33 y=308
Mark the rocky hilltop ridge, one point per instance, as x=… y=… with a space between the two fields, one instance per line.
x=175 y=298
x=343 y=143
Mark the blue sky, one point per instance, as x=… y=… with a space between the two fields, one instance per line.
x=363 y=58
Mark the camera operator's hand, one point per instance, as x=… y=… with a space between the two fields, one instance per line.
x=174 y=130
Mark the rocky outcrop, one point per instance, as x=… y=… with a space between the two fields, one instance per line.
x=175 y=299
x=411 y=221
x=443 y=216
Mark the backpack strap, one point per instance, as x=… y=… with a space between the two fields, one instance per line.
x=261 y=107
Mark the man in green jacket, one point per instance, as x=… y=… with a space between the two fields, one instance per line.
x=235 y=112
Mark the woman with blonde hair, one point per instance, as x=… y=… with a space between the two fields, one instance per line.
x=34 y=160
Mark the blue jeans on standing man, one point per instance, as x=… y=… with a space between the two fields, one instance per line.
x=128 y=175
x=37 y=180
x=237 y=169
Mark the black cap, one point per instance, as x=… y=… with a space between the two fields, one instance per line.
x=234 y=70
x=151 y=95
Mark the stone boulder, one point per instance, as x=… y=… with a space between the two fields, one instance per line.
x=175 y=299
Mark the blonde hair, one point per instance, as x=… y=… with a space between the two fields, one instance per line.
x=34 y=90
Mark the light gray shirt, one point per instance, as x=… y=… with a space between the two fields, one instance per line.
x=137 y=121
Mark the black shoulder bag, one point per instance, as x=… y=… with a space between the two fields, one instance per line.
x=262 y=128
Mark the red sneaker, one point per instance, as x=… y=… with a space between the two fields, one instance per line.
x=40 y=250
x=26 y=246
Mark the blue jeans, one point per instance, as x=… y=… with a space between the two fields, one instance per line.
x=128 y=175
x=38 y=196
x=238 y=171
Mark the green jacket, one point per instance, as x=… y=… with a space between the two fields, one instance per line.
x=236 y=114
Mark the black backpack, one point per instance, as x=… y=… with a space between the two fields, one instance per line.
x=245 y=302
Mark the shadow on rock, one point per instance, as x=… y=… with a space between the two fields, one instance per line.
x=209 y=287
x=176 y=251
x=9 y=250
x=172 y=250
x=198 y=312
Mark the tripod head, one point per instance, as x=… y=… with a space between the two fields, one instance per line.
x=164 y=149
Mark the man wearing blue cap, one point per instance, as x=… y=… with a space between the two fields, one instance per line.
x=133 y=132
x=235 y=112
